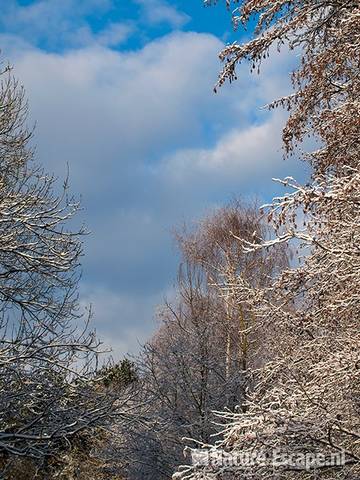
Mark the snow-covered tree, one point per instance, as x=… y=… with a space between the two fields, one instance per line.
x=48 y=356
x=198 y=360
x=306 y=403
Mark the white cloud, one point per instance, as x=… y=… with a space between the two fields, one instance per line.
x=240 y=154
x=148 y=145
x=159 y=11
x=119 y=107
x=58 y=25
x=114 y=34
x=62 y=24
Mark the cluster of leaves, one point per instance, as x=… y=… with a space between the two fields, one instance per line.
x=119 y=375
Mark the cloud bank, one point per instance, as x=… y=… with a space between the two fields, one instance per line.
x=148 y=145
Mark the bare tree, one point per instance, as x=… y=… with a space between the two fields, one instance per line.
x=218 y=246
x=198 y=360
x=183 y=372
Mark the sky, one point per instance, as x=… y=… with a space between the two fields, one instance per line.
x=121 y=93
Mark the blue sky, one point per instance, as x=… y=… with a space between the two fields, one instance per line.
x=122 y=92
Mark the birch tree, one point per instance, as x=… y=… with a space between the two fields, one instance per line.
x=217 y=245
